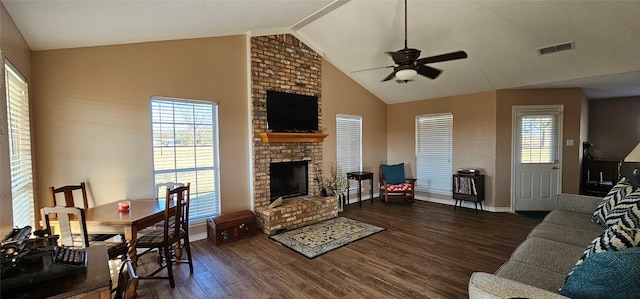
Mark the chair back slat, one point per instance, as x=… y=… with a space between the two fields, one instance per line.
x=176 y=218
x=67 y=191
x=72 y=225
x=163 y=187
x=126 y=281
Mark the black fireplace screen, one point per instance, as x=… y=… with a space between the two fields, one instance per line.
x=289 y=179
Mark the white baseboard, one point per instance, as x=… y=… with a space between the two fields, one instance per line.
x=465 y=204
x=451 y=202
x=354 y=198
x=196 y=237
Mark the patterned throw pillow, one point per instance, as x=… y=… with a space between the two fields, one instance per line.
x=609 y=274
x=626 y=211
x=619 y=191
x=614 y=238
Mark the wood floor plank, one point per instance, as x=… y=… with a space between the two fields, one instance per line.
x=426 y=251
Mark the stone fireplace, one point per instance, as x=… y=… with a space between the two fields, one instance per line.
x=283 y=63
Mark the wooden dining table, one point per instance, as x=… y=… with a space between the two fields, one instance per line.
x=142 y=213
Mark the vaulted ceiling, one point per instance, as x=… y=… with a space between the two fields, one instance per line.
x=500 y=37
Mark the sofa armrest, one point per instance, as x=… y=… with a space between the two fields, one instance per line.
x=578 y=203
x=484 y=285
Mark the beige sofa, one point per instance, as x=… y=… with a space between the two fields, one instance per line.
x=539 y=266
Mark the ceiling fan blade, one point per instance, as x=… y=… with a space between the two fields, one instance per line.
x=373 y=68
x=428 y=71
x=443 y=57
x=390 y=76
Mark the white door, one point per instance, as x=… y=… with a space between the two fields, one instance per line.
x=537 y=157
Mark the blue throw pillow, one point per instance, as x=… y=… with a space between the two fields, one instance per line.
x=608 y=274
x=394 y=174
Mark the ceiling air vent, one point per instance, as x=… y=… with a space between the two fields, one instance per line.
x=557 y=48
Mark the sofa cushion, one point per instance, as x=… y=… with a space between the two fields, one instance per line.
x=552 y=255
x=532 y=275
x=564 y=234
x=615 y=238
x=486 y=286
x=573 y=219
x=609 y=274
x=626 y=211
x=394 y=174
x=618 y=192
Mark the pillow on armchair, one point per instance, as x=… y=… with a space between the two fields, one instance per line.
x=394 y=174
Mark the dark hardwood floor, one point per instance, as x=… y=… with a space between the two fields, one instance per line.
x=426 y=251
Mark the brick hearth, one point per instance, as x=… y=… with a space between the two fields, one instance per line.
x=283 y=63
x=297 y=212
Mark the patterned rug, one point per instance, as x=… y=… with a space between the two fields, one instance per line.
x=317 y=239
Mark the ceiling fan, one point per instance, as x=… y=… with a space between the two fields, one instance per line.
x=408 y=63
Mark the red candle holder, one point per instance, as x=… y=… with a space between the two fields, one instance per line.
x=123 y=206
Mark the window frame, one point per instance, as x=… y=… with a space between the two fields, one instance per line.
x=160 y=174
x=19 y=123
x=442 y=173
x=353 y=133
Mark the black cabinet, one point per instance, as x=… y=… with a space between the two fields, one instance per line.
x=468 y=187
x=599 y=176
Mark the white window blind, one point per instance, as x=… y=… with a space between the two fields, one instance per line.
x=434 y=147
x=538 y=141
x=349 y=143
x=185 y=150
x=19 y=147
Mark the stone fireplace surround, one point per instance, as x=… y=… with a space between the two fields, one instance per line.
x=283 y=63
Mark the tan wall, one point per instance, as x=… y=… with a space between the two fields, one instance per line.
x=474 y=139
x=14 y=48
x=572 y=100
x=614 y=127
x=342 y=95
x=93 y=119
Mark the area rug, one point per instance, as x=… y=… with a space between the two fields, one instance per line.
x=320 y=238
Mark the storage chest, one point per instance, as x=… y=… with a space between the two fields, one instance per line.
x=226 y=228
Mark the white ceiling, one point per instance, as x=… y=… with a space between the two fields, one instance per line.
x=500 y=37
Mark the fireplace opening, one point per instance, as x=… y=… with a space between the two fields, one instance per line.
x=289 y=179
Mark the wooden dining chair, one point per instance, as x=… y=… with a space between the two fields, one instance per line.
x=126 y=288
x=69 y=201
x=175 y=230
x=72 y=229
x=68 y=191
x=161 y=188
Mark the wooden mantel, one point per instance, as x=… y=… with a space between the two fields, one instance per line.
x=292 y=137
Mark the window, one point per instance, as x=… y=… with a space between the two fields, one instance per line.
x=434 y=147
x=185 y=150
x=538 y=139
x=19 y=147
x=349 y=143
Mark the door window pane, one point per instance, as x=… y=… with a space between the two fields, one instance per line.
x=538 y=139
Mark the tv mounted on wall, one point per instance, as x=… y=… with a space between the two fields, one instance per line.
x=288 y=112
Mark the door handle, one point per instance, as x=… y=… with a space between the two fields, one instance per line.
x=555 y=167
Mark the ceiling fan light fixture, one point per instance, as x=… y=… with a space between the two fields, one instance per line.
x=406 y=74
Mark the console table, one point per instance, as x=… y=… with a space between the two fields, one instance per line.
x=599 y=176
x=359 y=176
x=95 y=282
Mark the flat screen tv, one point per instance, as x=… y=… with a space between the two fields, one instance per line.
x=288 y=112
